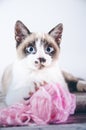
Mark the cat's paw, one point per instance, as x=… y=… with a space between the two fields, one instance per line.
x=39 y=84
x=81 y=86
x=34 y=88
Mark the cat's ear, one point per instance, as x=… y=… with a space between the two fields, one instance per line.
x=21 y=32
x=56 y=33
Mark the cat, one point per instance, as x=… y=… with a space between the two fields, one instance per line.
x=36 y=64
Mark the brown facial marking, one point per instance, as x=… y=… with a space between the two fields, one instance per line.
x=30 y=40
x=48 y=41
x=48 y=46
x=30 y=48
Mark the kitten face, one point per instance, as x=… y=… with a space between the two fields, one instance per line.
x=37 y=51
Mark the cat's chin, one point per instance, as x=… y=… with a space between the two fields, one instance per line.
x=37 y=68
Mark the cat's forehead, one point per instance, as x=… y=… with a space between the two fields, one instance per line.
x=41 y=38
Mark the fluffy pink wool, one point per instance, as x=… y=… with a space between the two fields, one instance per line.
x=50 y=104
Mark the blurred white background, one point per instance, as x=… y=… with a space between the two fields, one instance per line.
x=42 y=16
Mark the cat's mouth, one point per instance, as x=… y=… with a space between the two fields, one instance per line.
x=41 y=66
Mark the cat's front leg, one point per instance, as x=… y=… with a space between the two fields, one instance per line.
x=20 y=92
x=37 y=86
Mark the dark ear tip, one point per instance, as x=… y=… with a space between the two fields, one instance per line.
x=60 y=25
x=18 y=22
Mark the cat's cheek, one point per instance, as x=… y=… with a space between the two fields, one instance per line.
x=48 y=61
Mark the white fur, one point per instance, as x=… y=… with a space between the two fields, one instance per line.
x=23 y=80
x=26 y=72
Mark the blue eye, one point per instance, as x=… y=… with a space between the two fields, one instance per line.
x=30 y=50
x=49 y=50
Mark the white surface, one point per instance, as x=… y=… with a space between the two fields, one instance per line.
x=42 y=16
